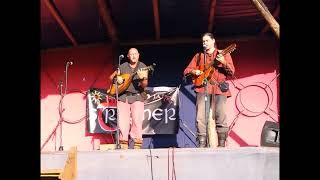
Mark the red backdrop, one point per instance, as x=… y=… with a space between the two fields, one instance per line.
x=257 y=67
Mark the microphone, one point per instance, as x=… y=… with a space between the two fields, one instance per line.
x=119 y=60
x=69 y=63
x=204 y=47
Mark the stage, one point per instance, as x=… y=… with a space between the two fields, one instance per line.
x=244 y=163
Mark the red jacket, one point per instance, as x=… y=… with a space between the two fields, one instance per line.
x=219 y=74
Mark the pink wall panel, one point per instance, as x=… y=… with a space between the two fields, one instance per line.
x=91 y=68
x=255 y=91
x=256 y=63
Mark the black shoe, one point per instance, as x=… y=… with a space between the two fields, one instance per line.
x=221 y=143
x=202 y=141
x=202 y=145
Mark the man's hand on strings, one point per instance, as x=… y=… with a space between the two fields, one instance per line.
x=119 y=80
x=142 y=74
x=221 y=59
x=197 y=72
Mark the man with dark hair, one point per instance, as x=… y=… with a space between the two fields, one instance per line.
x=221 y=67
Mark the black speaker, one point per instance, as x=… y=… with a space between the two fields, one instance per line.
x=270 y=135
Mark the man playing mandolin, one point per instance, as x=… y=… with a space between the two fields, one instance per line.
x=218 y=66
x=131 y=102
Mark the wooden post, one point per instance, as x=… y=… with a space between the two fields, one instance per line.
x=69 y=172
x=70 y=168
x=268 y=16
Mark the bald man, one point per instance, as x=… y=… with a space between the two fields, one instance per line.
x=131 y=102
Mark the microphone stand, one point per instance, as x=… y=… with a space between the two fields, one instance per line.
x=206 y=101
x=117 y=98
x=66 y=78
x=60 y=105
x=60 y=113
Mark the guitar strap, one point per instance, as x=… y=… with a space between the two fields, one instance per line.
x=137 y=67
x=198 y=61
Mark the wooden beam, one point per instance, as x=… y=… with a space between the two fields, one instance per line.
x=107 y=20
x=268 y=16
x=58 y=18
x=168 y=41
x=155 y=6
x=51 y=172
x=172 y=41
x=274 y=14
x=211 y=15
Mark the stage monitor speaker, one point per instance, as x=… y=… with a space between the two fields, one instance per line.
x=270 y=135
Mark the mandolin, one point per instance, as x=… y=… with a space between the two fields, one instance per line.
x=208 y=68
x=127 y=79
